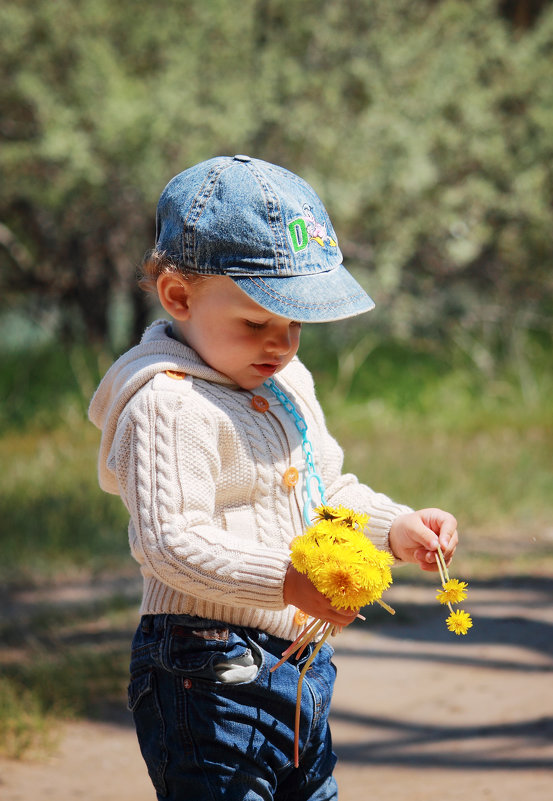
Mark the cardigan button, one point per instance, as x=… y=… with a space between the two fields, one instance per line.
x=290 y=477
x=187 y=684
x=176 y=374
x=300 y=618
x=259 y=403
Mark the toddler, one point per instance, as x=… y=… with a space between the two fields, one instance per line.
x=213 y=437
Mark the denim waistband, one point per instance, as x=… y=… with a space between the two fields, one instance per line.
x=161 y=623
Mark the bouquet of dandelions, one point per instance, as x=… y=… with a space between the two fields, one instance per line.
x=345 y=566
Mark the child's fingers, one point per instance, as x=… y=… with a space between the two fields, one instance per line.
x=448 y=531
x=426 y=559
x=421 y=533
x=449 y=550
x=429 y=567
x=341 y=617
x=416 y=536
x=444 y=525
x=449 y=537
x=448 y=541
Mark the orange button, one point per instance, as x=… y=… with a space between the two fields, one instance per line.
x=290 y=477
x=176 y=374
x=259 y=403
x=300 y=618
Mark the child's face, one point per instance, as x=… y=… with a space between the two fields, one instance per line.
x=234 y=335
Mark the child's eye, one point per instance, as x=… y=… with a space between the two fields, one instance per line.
x=258 y=326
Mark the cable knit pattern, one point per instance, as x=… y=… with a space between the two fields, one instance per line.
x=201 y=474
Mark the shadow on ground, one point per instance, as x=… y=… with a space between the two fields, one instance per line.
x=415 y=695
x=409 y=693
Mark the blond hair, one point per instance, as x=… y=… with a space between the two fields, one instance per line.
x=156 y=263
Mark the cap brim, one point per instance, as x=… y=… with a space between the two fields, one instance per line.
x=319 y=298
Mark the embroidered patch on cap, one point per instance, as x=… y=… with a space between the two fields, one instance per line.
x=306 y=229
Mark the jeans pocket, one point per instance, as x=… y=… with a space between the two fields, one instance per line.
x=240 y=669
x=202 y=653
x=143 y=702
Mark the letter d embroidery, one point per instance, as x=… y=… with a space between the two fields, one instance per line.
x=298 y=234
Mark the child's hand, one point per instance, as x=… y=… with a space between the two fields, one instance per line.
x=300 y=592
x=414 y=537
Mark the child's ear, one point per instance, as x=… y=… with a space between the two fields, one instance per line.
x=174 y=295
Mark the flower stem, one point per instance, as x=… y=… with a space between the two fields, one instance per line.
x=385 y=606
x=307 y=634
x=444 y=566
x=440 y=568
x=298 y=697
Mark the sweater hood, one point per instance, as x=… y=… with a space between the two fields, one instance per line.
x=156 y=352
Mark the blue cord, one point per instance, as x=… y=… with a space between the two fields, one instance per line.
x=312 y=474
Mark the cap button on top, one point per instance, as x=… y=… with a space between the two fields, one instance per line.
x=239 y=157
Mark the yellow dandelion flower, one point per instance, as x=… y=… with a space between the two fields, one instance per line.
x=453 y=592
x=351 y=519
x=343 y=515
x=341 y=560
x=361 y=521
x=372 y=554
x=325 y=513
x=340 y=584
x=300 y=554
x=325 y=531
x=332 y=532
x=459 y=622
x=359 y=543
x=319 y=558
x=376 y=579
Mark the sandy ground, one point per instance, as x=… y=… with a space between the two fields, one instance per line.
x=418 y=713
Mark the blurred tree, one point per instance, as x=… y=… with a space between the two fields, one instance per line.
x=522 y=13
x=101 y=104
x=424 y=124
x=428 y=128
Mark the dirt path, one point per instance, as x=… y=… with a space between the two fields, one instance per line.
x=418 y=713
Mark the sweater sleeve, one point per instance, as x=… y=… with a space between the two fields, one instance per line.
x=348 y=491
x=167 y=462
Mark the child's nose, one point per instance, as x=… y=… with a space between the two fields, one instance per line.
x=280 y=343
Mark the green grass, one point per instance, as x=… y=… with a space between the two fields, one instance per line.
x=487 y=475
x=50 y=504
x=412 y=425
x=26 y=728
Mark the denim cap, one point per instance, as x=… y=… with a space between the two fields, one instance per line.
x=265 y=228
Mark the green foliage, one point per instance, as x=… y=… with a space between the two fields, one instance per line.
x=50 y=503
x=41 y=387
x=25 y=727
x=425 y=126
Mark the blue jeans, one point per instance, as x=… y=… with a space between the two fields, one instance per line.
x=203 y=739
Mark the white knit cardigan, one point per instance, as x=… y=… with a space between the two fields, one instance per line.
x=201 y=474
